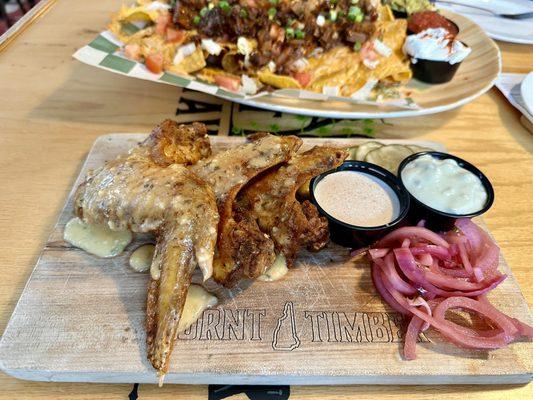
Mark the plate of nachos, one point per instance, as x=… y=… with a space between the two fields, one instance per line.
x=331 y=58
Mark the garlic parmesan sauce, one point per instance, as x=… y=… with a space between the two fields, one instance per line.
x=96 y=239
x=444 y=185
x=141 y=258
x=197 y=301
x=276 y=271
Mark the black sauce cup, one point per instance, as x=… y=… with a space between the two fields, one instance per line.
x=433 y=72
x=353 y=236
x=440 y=220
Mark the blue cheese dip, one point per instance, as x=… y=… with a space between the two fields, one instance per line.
x=444 y=185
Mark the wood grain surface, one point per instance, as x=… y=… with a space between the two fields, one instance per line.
x=53 y=108
x=82 y=318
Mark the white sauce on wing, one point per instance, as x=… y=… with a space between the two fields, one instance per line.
x=276 y=271
x=197 y=301
x=141 y=258
x=357 y=198
x=96 y=239
x=444 y=185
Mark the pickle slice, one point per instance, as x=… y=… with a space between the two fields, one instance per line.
x=389 y=156
x=418 y=149
x=364 y=149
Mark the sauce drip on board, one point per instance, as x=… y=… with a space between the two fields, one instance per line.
x=98 y=240
x=276 y=271
x=198 y=299
x=141 y=258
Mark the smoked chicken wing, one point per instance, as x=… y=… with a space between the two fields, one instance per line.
x=146 y=191
x=271 y=202
x=228 y=172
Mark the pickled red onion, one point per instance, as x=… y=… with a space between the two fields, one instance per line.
x=453 y=270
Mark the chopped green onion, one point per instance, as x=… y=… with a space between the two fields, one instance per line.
x=274 y=2
x=359 y=18
x=355 y=1
x=271 y=13
x=290 y=22
x=196 y=20
x=332 y=1
x=357 y=46
x=243 y=13
x=354 y=12
x=289 y=32
x=333 y=15
x=204 y=11
x=299 y=34
x=224 y=6
x=341 y=14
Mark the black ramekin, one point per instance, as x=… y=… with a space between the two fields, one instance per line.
x=440 y=220
x=353 y=236
x=400 y=14
x=433 y=71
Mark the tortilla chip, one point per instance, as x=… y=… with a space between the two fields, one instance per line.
x=192 y=63
x=231 y=62
x=385 y=13
x=396 y=66
x=134 y=14
x=339 y=67
x=278 y=81
x=208 y=74
x=393 y=33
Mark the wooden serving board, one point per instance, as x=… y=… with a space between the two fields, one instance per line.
x=81 y=318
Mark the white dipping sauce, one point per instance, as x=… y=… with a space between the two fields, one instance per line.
x=96 y=239
x=357 y=198
x=444 y=185
x=198 y=299
x=141 y=258
x=276 y=271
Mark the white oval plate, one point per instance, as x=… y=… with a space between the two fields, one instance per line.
x=526 y=90
x=504 y=29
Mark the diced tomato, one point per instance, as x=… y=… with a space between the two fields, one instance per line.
x=277 y=33
x=303 y=78
x=228 y=82
x=132 y=51
x=367 y=52
x=175 y=35
x=162 y=23
x=154 y=63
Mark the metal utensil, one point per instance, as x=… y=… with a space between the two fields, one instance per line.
x=524 y=15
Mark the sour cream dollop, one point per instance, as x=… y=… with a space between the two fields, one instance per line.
x=444 y=185
x=435 y=45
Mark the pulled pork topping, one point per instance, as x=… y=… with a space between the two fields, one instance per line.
x=285 y=30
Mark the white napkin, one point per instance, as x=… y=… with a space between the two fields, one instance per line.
x=509 y=85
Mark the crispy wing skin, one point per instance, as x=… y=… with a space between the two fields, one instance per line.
x=228 y=172
x=271 y=201
x=134 y=192
x=173 y=143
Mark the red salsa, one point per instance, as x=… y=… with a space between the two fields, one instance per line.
x=423 y=20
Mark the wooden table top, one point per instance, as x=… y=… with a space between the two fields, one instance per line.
x=53 y=108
